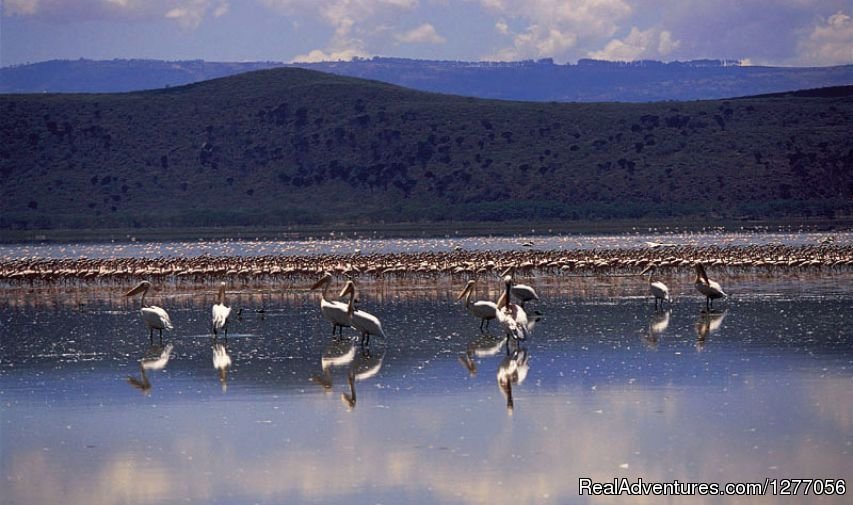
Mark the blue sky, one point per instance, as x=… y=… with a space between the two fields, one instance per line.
x=761 y=32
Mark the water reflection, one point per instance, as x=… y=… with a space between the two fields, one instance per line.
x=658 y=323
x=156 y=358
x=339 y=352
x=709 y=322
x=221 y=362
x=594 y=403
x=512 y=370
x=365 y=365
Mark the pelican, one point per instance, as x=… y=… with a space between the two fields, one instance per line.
x=365 y=323
x=154 y=317
x=334 y=312
x=511 y=316
x=482 y=309
x=707 y=324
x=220 y=313
x=711 y=289
x=482 y=346
x=338 y=353
x=522 y=292
x=657 y=288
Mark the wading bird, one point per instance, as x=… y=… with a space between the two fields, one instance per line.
x=482 y=309
x=711 y=289
x=334 y=312
x=220 y=313
x=365 y=323
x=511 y=316
x=657 y=288
x=154 y=317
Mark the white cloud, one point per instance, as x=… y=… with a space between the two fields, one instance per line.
x=555 y=28
x=187 y=13
x=318 y=55
x=648 y=44
x=829 y=43
x=424 y=34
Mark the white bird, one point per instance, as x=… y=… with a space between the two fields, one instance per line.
x=220 y=313
x=658 y=289
x=511 y=316
x=365 y=323
x=365 y=366
x=482 y=309
x=711 y=289
x=334 y=312
x=524 y=293
x=154 y=317
x=155 y=358
x=512 y=370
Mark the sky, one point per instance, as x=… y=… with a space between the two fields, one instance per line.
x=759 y=32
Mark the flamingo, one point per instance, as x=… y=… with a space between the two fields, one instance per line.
x=711 y=289
x=482 y=309
x=365 y=323
x=334 y=312
x=658 y=289
x=154 y=317
x=511 y=316
x=220 y=312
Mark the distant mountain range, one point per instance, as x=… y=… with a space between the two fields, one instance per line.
x=292 y=146
x=541 y=81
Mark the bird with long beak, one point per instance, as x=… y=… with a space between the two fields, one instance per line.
x=365 y=323
x=481 y=309
x=521 y=292
x=154 y=317
x=658 y=289
x=220 y=313
x=334 y=312
x=711 y=289
x=511 y=316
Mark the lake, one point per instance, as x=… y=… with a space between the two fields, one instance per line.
x=606 y=387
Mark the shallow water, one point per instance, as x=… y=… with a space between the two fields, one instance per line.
x=611 y=388
x=345 y=245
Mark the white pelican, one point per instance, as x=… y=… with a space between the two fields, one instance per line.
x=334 y=312
x=511 y=316
x=657 y=288
x=154 y=317
x=338 y=353
x=365 y=323
x=711 y=289
x=220 y=312
x=521 y=292
x=221 y=362
x=483 y=310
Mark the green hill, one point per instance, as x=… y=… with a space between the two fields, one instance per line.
x=291 y=146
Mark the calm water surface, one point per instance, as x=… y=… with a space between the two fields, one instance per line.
x=343 y=245
x=610 y=388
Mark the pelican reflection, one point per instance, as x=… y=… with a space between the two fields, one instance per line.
x=365 y=365
x=156 y=357
x=481 y=346
x=658 y=323
x=339 y=352
x=708 y=323
x=513 y=369
x=221 y=362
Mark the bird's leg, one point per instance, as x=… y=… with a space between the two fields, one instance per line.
x=482 y=322
x=151 y=335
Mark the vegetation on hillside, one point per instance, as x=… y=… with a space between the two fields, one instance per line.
x=291 y=146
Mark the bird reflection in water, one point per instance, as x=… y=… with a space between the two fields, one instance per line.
x=708 y=323
x=658 y=324
x=340 y=352
x=512 y=370
x=365 y=365
x=155 y=358
x=481 y=346
x=221 y=362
